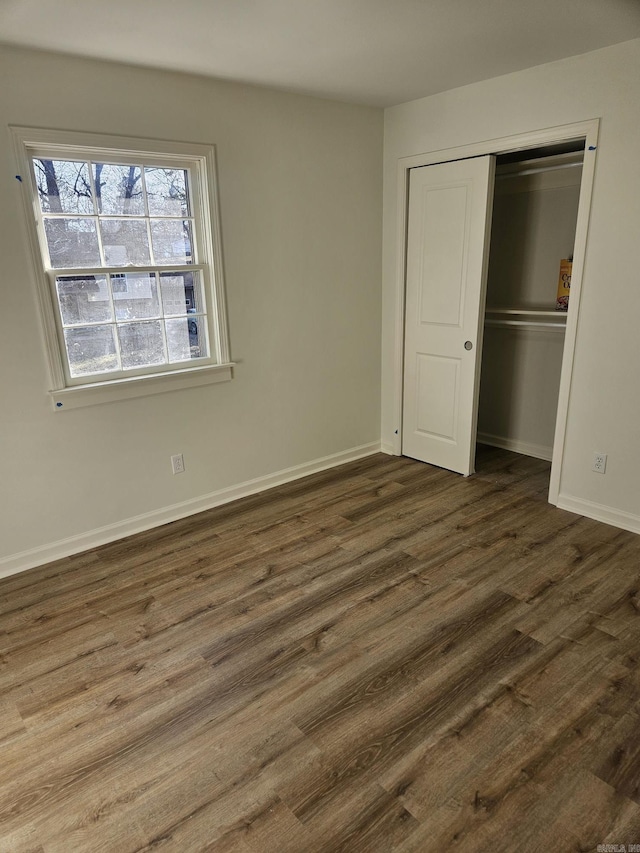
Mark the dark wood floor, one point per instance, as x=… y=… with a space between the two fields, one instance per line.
x=385 y=656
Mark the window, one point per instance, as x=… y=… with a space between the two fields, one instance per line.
x=127 y=244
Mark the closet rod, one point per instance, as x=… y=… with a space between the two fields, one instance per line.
x=529 y=323
x=529 y=312
x=534 y=170
x=541 y=164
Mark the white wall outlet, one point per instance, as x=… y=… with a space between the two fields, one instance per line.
x=599 y=463
x=177 y=463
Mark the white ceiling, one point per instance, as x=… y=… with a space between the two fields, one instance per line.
x=378 y=52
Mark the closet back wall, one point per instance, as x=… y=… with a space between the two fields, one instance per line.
x=300 y=196
x=534 y=227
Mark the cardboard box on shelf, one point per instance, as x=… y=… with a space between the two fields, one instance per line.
x=564 y=285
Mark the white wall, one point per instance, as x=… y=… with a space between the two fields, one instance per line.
x=604 y=412
x=300 y=193
x=519 y=388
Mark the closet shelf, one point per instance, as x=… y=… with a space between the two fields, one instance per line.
x=528 y=312
x=534 y=319
x=527 y=324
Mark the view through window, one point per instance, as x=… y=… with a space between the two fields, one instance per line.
x=119 y=246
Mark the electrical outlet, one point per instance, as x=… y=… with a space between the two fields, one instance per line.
x=177 y=463
x=599 y=463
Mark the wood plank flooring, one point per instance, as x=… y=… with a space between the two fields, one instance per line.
x=381 y=657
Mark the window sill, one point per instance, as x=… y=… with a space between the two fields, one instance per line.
x=138 y=386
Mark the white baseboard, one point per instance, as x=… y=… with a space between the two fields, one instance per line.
x=24 y=560
x=388 y=448
x=539 y=451
x=600 y=512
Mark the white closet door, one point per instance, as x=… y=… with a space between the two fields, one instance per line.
x=447 y=252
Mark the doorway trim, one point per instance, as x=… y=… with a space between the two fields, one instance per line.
x=587 y=130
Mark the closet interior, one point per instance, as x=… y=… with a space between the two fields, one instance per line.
x=533 y=229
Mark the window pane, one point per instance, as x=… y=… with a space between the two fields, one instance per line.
x=91 y=349
x=72 y=243
x=167 y=191
x=84 y=299
x=186 y=338
x=63 y=186
x=171 y=240
x=141 y=344
x=118 y=189
x=181 y=292
x=125 y=242
x=135 y=296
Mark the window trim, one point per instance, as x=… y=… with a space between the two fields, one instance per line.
x=64 y=393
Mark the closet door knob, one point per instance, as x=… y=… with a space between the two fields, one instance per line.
x=468 y=345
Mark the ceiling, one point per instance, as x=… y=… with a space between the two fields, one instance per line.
x=378 y=52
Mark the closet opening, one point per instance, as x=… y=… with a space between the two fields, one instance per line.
x=533 y=231
x=482 y=352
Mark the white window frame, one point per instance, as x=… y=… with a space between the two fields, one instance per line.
x=67 y=392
